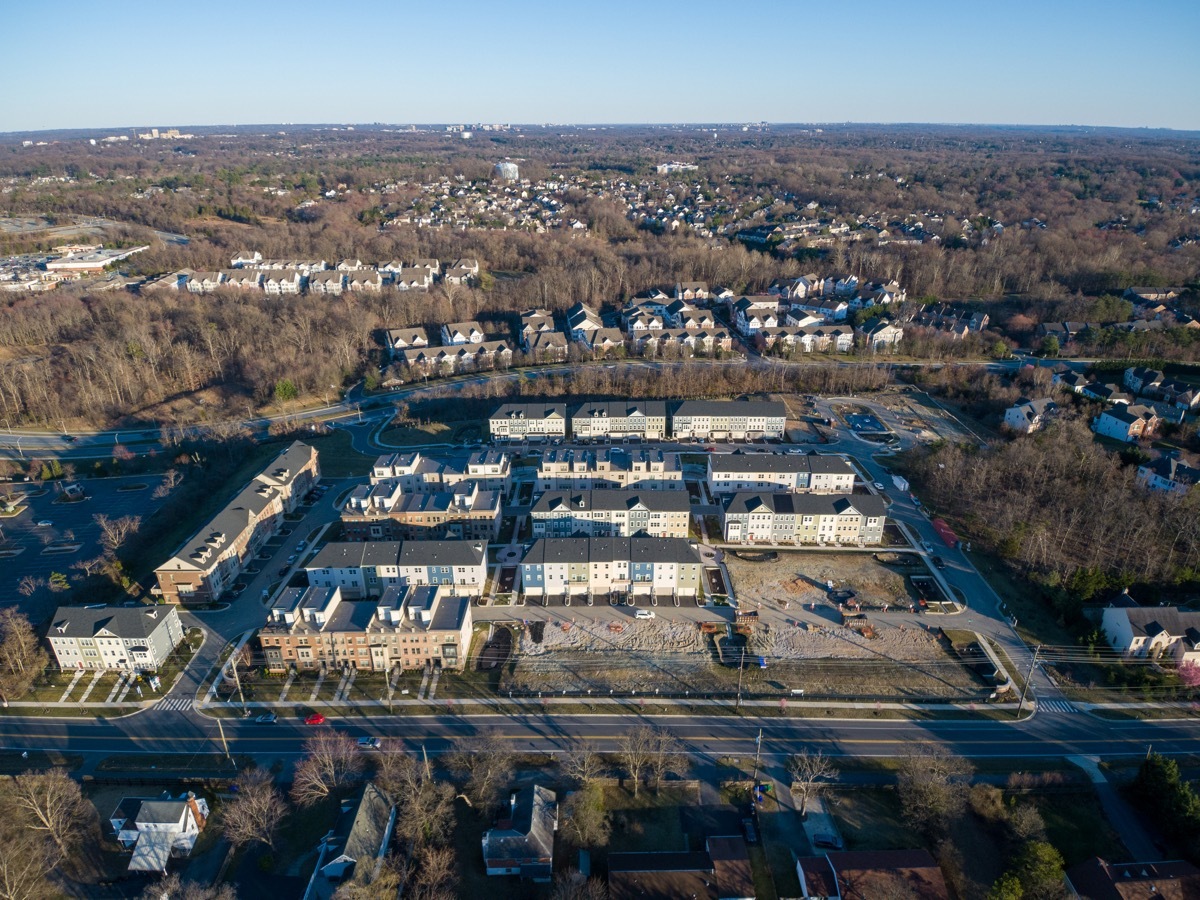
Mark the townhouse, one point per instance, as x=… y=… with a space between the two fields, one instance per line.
x=383 y=512
x=619 y=419
x=729 y=420
x=328 y=283
x=451 y=359
x=367 y=568
x=595 y=568
x=753 y=313
x=462 y=333
x=786 y=518
x=605 y=468
x=798 y=473
x=691 y=290
x=131 y=639
x=406 y=338
x=611 y=513
x=204 y=282
x=534 y=322
x=282 y=282
x=408 y=627
x=548 y=347
x=414 y=472
x=209 y=562
x=602 y=341
x=880 y=334
x=528 y=421
x=582 y=321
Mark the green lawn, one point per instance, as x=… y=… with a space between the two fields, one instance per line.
x=339 y=459
x=871 y=819
x=457 y=432
x=1077 y=826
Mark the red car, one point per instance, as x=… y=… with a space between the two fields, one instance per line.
x=315 y=719
x=710 y=449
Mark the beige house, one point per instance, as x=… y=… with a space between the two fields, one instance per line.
x=774 y=517
x=619 y=513
x=566 y=469
x=801 y=473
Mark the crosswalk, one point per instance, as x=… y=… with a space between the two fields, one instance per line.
x=1058 y=706
x=178 y=704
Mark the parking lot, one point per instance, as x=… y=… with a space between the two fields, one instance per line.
x=70 y=535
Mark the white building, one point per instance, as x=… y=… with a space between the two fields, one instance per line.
x=735 y=420
x=619 y=513
x=528 y=421
x=132 y=639
x=1029 y=416
x=801 y=473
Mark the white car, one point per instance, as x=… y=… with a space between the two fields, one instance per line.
x=644 y=614
x=45 y=523
x=878 y=485
x=368 y=743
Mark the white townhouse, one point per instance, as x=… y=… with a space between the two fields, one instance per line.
x=783 y=518
x=131 y=639
x=367 y=568
x=612 y=513
x=454 y=333
x=528 y=421
x=611 y=420
x=729 y=420
x=799 y=473
x=582 y=568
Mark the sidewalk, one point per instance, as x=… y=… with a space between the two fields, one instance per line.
x=1123 y=819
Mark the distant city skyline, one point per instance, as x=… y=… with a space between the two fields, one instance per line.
x=132 y=63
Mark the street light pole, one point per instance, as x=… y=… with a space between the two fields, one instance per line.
x=1028 y=678
x=757 y=754
x=741 y=668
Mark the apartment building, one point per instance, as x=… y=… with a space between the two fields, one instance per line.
x=805 y=473
x=416 y=473
x=384 y=512
x=211 y=560
x=583 y=567
x=619 y=513
x=774 y=517
x=729 y=420
x=528 y=422
x=644 y=419
x=408 y=626
x=609 y=468
x=132 y=639
x=368 y=568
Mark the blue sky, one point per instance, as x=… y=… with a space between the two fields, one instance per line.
x=166 y=62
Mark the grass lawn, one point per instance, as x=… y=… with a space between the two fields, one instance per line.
x=649 y=821
x=457 y=432
x=51 y=686
x=871 y=819
x=13 y=763
x=338 y=458
x=1077 y=826
x=783 y=839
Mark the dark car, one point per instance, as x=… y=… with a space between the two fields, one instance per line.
x=283 y=571
x=939 y=562
x=827 y=841
x=69 y=438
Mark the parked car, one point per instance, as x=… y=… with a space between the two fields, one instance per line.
x=315 y=719
x=878 y=485
x=45 y=523
x=291 y=559
x=926 y=546
x=283 y=570
x=267 y=719
x=368 y=743
x=644 y=614
x=939 y=563
x=827 y=841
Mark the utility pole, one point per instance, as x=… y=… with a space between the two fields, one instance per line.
x=238 y=681
x=757 y=754
x=1028 y=678
x=741 y=668
x=224 y=743
x=428 y=774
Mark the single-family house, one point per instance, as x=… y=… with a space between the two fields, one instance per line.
x=1152 y=632
x=1168 y=473
x=1128 y=423
x=1069 y=381
x=1106 y=393
x=721 y=871
x=1100 y=880
x=522 y=842
x=354 y=850
x=1141 y=380
x=870 y=875
x=158 y=829
x=1027 y=416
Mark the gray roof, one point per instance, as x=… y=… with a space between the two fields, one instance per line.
x=744 y=463
x=591 y=549
x=356 y=554
x=1172 y=469
x=758 y=408
x=658 y=501
x=361 y=832
x=124 y=622
x=529 y=833
x=531 y=411
x=781 y=504
x=443 y=553
x=1151 y=620
x=620 y=409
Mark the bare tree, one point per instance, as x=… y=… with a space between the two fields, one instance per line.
x=424 y=805
x=28 y=585
x=331 y=760
x=488 y=762
x=90 y=567
x=812 y=774
x=934 y=785
x=584 y=817
x=636 y=749
x=21 y=657
x=26 y=860
x=572 y=885
x=581 y=763
x=115 y=532
x=51 y=802
x=172 y=887
x=433 y=875
x=253 y=815
x=667 y=756
x=171 y=479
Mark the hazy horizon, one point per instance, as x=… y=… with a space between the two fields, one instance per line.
x=533 y=61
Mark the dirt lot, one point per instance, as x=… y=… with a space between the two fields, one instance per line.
x=903 y=661
x=801 y=578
